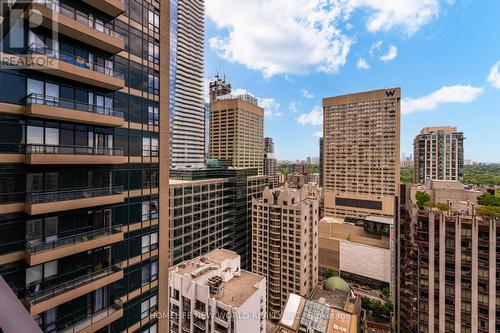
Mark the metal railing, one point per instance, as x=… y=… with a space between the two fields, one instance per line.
x=71 y=104
x=91 y=22
x=74 y=60
x=45 y=197
x=62 y=287
x=34 y=247
x=72 y=150
x=79 y=325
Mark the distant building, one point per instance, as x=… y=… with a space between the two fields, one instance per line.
x=213 y=294
x=358 y=251
x=309 y=160
x=300 y=167
x=281 y=178
x=321 y=161
x=270 y=163
x=332 y=308
x=454 y=269
x=315 y=160
x=361 y=153
x=439 y=154
x=218 y=88
x=237 y=132
x=285 y=244
x=313 y=178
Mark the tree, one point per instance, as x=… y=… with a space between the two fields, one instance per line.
x=489 y=211
x=487 y=199
x=442 y=206
x=423 y=199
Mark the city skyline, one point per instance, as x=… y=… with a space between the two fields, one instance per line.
x=443 y=82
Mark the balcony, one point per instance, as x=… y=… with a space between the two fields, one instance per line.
x=111 y=7
x=40 y=252
x=49 y=202
x=39 y=154
x=55 y=295
x=77 y=26
x=97 y=320
x=44 y=106
x=71 y=67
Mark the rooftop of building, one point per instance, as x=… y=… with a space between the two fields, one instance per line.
x=332 y=228
x=173 y=181
x=436 y=129
x=236 y=291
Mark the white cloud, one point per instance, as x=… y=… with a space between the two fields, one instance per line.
x=315 y=117
x=375 y=46
x=271 y=107
x=494 y=77
x=293 y=107
x=450 y=94
x=306 y=94
x=362 y=64
x=391 y=54
x=318 y=134
x=281 y=36
x=408 y=15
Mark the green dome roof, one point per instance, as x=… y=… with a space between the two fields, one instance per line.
x=334 y=283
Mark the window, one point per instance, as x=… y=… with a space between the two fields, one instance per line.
x=153 y=84
x=153 y=118
x=149 y=306
x=153 y=21
x=35 y=275
x=154 y=52
x=149 y=242
x=150 y=147
x=149 y=272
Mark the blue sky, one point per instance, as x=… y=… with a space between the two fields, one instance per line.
x=444 y=54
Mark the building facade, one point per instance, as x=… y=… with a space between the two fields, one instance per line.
x=237 y=132
x=211 y=209
x=285 y=243
x=439 y=154
x=213 y=294
x=84 y=164
x=187 y=115
x=321 y=171
x=361 y=153
x=270 y=163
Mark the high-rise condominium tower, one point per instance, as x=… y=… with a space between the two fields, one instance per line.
x=187 y=114
x=361 y=153
x=237 y=132
x=321 y=172
x=84 y=165
x=439 y=154
x=285 y=243
x=270 y=163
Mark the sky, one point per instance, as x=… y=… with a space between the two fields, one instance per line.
x=444 y=54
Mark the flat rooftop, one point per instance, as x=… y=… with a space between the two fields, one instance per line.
x=173 y=181
x=239 y=289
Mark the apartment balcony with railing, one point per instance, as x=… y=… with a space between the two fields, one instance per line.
x=75 y=24
x=40 y=252
x=71 y=67
x=50 y=202
x=57 y=108
x=41 y=154
x=111 y=7
x=41 y=297
x=97 y=320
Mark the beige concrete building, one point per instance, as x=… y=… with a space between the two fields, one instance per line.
x=456 y=266
x=331 y=308
x=439 y=154
x=237 y=132
x=361 y=153
x=213 y=294
x=285 y=243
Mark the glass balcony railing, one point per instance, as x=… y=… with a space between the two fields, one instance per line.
x=46 y=197
x=74 y=60
x=36 y=292
x=71 y=104
x=78 y=326
x=35 y=247
x=91 y=22
x=72 y=150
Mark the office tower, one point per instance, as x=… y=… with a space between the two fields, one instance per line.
x=187 y=116
x=237 y=132
x=309 y=160
x=84 y=165
x=218 y=88
x=361 y=153
x=213 y=294
x=285 y=243
x=210 y=209
x=358 y=252
x=456 y=263
x=321 y=171
x=439 y=154
x=270 y=163
x=332 y=307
